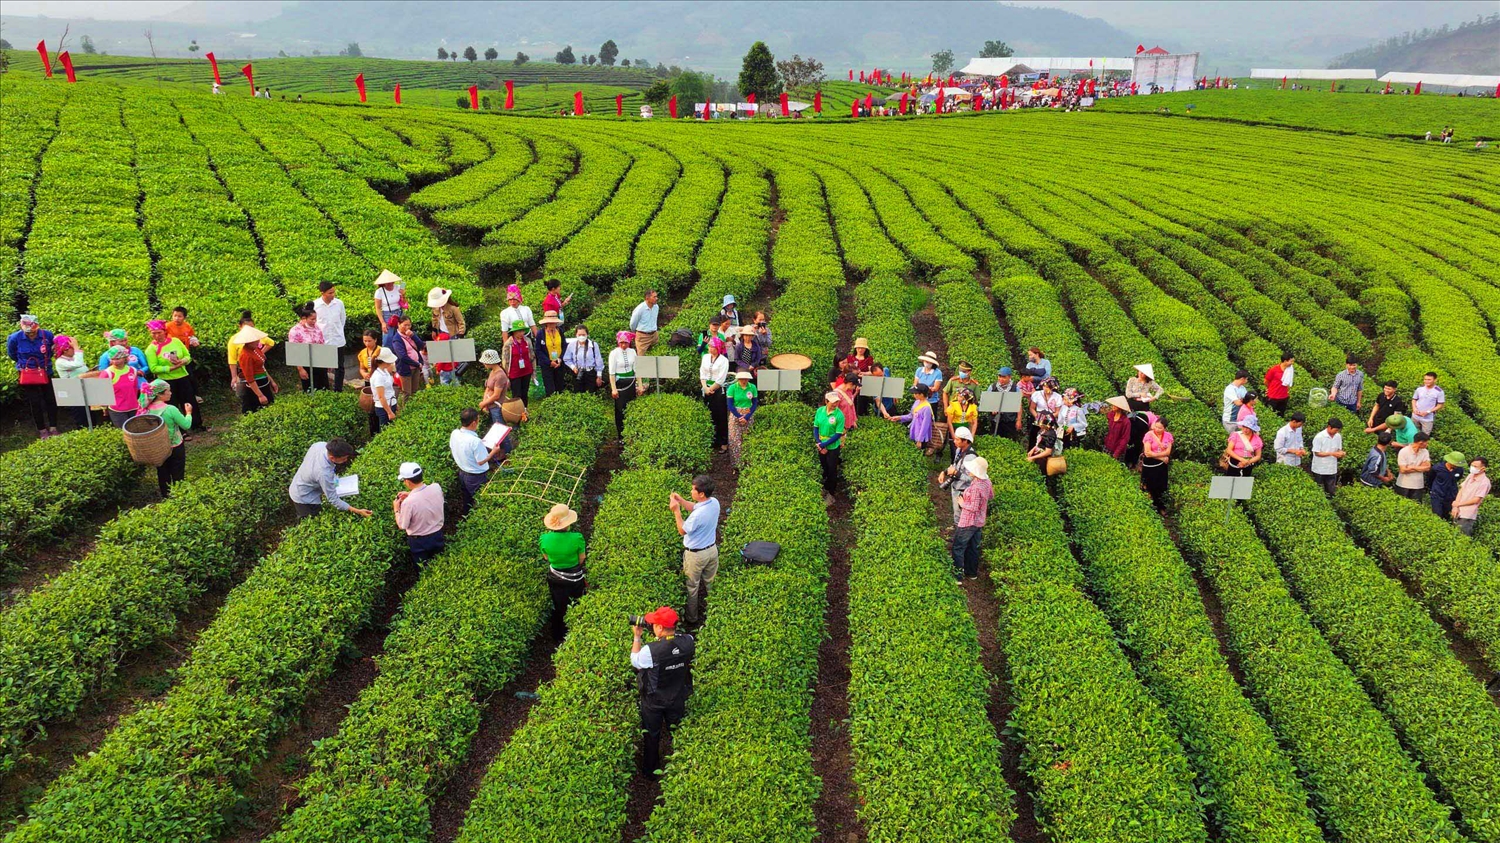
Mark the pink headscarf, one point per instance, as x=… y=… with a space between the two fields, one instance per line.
x=716 y=345
x=1151 y=418
x=156 y=325
x=624 y=336
x=61 y=343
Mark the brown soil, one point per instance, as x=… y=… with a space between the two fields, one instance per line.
x=836 y=810
x=271 y=792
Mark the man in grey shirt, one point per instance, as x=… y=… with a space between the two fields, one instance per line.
x=1289 y=449
x=1349 y=387
x=643 y=322
x=317 y=478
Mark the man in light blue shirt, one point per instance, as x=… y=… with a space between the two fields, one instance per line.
x=643 y=322
x=317 y=479
x=472 y=457
x=700 y=541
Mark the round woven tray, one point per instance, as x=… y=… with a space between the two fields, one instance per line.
x=796 y=362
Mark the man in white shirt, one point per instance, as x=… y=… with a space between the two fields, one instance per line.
x=1327 y=450
x=643 y=322
x=331 y=320
x=472 y=457
x=1289 y=449
x=1426 y=401
x=1412 y=464
x=1234 y=395
x=515 y=312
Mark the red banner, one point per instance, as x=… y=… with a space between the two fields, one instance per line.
x=1497 y=92
x=904 y=97
x=359 y=85
x=1387 y=87
x=672 y=106
x=938 y=103
x=578 y=103
x=1140 y=48
x=619 y=105
x=851 y=74
x=1004 y=81
x=1419 y=87
x=861 y=76
x=707 y=106
x=41 y=49
x=398 y=93
x=750 y=98
x=818 y=101
x=1331 y=84
x=249 y=73
x=510 y=95
x=214 y=63
x=854 y=109
x=950 y=80
x=870 y=103
x=1283 y=83
x=67 y=62
x=786 y=107
x=473 y=97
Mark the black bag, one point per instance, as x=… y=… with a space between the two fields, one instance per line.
x=760 y=553
x=681 y=338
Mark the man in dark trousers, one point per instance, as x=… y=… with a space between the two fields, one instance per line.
x=664 y=676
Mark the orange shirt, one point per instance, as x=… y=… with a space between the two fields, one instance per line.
x=182 y=332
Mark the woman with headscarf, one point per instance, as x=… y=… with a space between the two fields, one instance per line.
x=259 y=387
x=120 y=337
x=962 y=413
x=178 y=422
x=127 y=385
x=390 y=297
x=1157 y=453
x=31 y=349
x=1048 y=444
x=622 y=380
x=564 y=552
x=306 y=330
x=713 y=378
x=69 y=362
x=411 y=353
x=742 y=397
x=1117 y=434
x=547 y=350
x=1072 y=419
x=168 y=358
x=1243 y=450
x=517 y=361
x=1142 y=389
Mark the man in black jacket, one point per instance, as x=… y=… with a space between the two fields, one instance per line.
x=664 y=676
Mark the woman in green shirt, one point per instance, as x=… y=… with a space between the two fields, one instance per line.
x=742 y=398
x=563 y=549
x=828 y=433
x=177 y=423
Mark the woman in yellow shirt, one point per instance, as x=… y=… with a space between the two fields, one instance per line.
x=963 y=412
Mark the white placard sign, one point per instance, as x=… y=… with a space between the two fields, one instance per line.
x=1230 y=488
x=778 y=380
x=871 y=386
x=999 y=402
x=312 y=355
x=663 y=367
x=84 y=392
x=451 y=351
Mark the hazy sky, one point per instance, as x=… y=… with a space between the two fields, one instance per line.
x=101 y=9
x=1273 y=19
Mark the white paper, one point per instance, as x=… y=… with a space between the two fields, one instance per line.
x=348 y=486
x=493 y=436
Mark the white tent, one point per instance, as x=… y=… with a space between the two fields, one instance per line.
x=997 y=66
x=1442 y=80
x=1309 y=73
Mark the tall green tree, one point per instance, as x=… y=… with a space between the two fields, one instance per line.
x=690 y=87
x=470 y=54
x=565 y=55
x=88 y=45
x=942 y=62
x=490 y=54
x=520 y=59
x=758 y=73
x=608 y=52
x=442 y=54
x=353 y=50
x=996 y=50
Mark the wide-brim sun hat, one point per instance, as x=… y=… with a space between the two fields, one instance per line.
x=861 y=342
x=979 y=468
x=489 y=357
x=385 y=355
x=742 y=375
x=1118 y=401
x=1146 y=369
x=437 y=297
x=1251 y=423
x=550 y=317
x=928 y=357
x=1395 y=420
x=387 y=277
x=728 y=300
x=559 y=517
x=248 y=334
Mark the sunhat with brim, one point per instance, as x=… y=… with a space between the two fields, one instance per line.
x=1147 y=369
x=387 y=277
x=409 y=471
x=1118 y=401
x=728 y=300
x=248 y=334
x=437 y=297
x=742 y=375
x=1250 y=423
x=979 y=468
x=549 y=317
x=929 y=357
x=1455 y=458
x=861 y=342
x=559 y=517
x=964 y=433
x=385 y=355
x=1395 y=420
x=832 y=397
x=489 y=357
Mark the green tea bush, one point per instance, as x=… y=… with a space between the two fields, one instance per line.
x=672 y=432
x=554 y=160
x=666 y=248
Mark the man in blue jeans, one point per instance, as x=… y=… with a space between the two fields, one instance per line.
x=973 y=506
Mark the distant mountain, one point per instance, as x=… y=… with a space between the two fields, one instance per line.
x=711 y=36
x=1471 y=48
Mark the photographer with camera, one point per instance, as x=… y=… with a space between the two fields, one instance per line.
x=957 y=477
x=664 y=677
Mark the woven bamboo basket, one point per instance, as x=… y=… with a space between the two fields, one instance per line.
x=147 y=439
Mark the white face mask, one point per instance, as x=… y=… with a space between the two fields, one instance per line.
x=1474 y=469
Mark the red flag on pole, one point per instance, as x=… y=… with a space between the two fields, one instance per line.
x=786 y=106
x=1419 y=86
x=214 y=63
x=818 y=101
x=851 y=74
x=672 y=106
x=473 y=97
x=249 y=73
x=750 y=98
x=706 y=108
x=359 y=85
x=67 y=63
x=1387 y=87
x=870 y=102
x=854 y=109
x=938 y=103
x=950 y=80
x=398 y=93
x=1093 y=87
x=978 y=103
x=619 y=105
x=1283 y=83
x=904 y=97
x=1004 y=81
x=1140 y=48
x=578 y=103
x=1134 y=89
x=1331 y=84
x=510 y=94
x=41 y=49
x=1497 y=92
x=861 y=76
